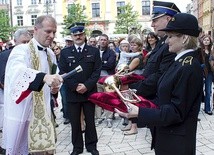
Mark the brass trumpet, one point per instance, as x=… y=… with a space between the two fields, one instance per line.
x=112 y=83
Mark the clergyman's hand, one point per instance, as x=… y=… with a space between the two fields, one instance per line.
x=54 y=80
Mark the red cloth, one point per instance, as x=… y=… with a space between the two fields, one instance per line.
x=102 y=79
x=144 y=52
x=110 y=101
x=131 y=78
x=23 y=96
x=125 y=79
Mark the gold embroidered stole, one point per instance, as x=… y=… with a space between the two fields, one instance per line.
x=41 y=136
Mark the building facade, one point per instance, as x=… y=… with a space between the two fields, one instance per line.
x=204 y=12
x=25 y=12
x=102 y=14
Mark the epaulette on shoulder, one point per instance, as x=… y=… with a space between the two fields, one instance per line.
x=187 y=60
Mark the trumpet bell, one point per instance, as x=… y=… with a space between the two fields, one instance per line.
x=111 y=83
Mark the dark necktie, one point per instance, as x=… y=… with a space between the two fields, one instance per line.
x=79 y=49
x=42 y=49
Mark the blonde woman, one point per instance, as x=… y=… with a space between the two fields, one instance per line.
x=135 y=64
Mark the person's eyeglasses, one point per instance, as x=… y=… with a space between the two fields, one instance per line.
x=56 y=49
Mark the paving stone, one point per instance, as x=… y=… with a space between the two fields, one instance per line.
x=112 y=141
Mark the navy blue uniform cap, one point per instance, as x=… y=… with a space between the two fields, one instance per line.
x=164 y=8
x=77 y=28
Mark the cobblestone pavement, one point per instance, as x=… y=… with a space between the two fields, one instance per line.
x=113 y=142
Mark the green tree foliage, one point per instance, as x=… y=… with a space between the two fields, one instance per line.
x=75 y=14
x=5 y=28
x=126 y=19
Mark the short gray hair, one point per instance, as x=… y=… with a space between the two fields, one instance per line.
x=40 y=19
x=20 y=32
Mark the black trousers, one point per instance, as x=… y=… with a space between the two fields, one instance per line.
x=74 y=111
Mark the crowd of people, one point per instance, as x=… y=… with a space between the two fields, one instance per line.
x=170 y=61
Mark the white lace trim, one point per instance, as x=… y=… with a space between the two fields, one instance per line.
x=22 y=83
x=22 y=151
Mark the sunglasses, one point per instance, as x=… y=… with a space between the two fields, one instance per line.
x=55 y=49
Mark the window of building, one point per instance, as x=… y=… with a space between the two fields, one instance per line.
x=47 y=1
x=95 y=9
x=19 y=2
x=33 y=19
x=145 y=7
x=33 y=1
x=3 y=1
x=119 y=5
x=20 y=20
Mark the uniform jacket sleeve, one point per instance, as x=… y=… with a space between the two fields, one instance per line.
x=148 y=87
x=181 y=103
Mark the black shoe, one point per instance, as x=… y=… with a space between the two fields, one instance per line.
x=76 y=152
x=2 y=151
x=94 y=152
x=56 y=125
x=125 y=121
x=67 y=121
x=209 y=112
x=113 y=117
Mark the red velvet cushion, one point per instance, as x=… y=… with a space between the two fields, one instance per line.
x=132 y=78
x=102 y=79
x=110 y=100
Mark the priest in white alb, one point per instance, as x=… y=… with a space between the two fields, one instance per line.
x=29 y=83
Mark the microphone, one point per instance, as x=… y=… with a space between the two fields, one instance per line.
x=73 y=72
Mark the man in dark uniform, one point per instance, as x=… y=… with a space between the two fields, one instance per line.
x=160 y=58
x=80 y=86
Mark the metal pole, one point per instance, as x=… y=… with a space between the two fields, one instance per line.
x=47 y=6
x=11 y=14
x=54 y=8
